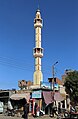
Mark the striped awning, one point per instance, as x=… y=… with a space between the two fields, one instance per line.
x=18 y=96
x=50 y=96
x=58 y=96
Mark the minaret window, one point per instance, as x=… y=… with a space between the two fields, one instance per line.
x=38 y=20
x=38 y=50
x=38 y=16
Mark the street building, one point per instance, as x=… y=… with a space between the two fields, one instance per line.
x=40 y=93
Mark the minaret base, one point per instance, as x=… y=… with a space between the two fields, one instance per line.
x=38 y=77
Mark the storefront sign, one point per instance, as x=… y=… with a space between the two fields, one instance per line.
x=45 y=85
x=56 y=86
x=36 y=94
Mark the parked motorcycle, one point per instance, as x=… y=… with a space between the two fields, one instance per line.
x=9 y=112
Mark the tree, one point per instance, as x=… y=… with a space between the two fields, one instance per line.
x=71 y=85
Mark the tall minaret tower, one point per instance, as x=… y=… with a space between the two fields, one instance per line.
x=38 y=50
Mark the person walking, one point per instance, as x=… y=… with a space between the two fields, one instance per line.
x=26 y=109
x=51 y=110
x=35 y=110
x=59 y=108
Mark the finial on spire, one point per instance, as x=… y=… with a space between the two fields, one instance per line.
x=38 y=4
x=38 y=10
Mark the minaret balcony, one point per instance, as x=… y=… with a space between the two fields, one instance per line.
x=38 y=55
x=38 y=52
x=38 y=20
x=38 y=25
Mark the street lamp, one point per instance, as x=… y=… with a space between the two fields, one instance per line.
x=52 y=87
x=53 y=73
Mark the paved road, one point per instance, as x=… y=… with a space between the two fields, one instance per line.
x=30 y=117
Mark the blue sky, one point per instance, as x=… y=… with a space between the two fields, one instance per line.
x=17 y=39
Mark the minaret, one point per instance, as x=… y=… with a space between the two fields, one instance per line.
x=38 y=50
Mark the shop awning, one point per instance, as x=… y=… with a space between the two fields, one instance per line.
x=20 y=96
x=58 y=96
x=48 y=97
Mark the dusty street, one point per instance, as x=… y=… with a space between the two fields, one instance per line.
x=30 y=117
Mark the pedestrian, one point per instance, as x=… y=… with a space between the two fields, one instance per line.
x=51 y=110
x=10 y=107
x=38 y=111
x=26 y=109
x=35 y=110
x=59 y=108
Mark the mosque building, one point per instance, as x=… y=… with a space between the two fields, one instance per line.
x=34 y=92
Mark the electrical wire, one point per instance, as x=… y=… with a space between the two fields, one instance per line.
x=14 y=63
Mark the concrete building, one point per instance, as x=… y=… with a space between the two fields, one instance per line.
x=67 y=71
x=23 y=84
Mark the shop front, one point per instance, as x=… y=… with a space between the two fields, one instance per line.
x=36 y=98
x=17 y=101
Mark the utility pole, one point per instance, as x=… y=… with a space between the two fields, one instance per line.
x=52 y=86
x=53 y=74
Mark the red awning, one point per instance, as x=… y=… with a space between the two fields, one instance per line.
x=48 y=97
x=58 y=96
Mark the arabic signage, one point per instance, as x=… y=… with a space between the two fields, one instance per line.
x=37 y=94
